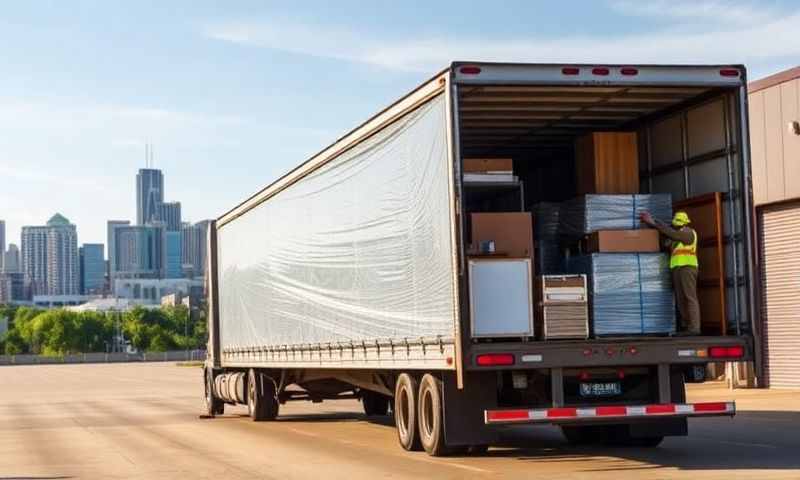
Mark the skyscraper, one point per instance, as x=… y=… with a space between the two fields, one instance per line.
x=170 y=214
x=50 y=257
x=174 y=245
x=194 y=248
x=112 y=243
x=149 y=195
x=92 y=268
x=139 y=251
x=11 y=261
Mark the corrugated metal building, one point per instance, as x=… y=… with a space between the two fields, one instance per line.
x=775 y=145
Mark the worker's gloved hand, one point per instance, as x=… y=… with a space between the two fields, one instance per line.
x=645 y=217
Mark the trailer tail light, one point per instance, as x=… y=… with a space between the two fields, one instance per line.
x=494 y=359
x=628 y=71
x=584 y=376
x=600 y=71
x=729 y=72
x=736 y=351
x=470 y=70
x=570 y=71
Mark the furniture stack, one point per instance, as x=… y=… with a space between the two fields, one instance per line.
x=562 y=306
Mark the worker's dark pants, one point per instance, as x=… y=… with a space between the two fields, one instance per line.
x=684 y=280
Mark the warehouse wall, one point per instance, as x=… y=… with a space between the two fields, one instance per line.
x=774 y=103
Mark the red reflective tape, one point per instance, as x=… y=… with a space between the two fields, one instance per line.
x=562 y=412
x=611 y=411
x=710 y=407
x=658 y=409
x=501 y=415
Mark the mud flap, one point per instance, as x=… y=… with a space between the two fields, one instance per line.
x=464 y=409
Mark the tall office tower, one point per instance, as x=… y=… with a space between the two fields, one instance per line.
x=174 y=266
x=149 y=195
x=92 y=268
x=2 y=244
x=34 y=259
x=194 y=239
x=11 y=262
x=139 y=251
x=63 y=267
x=111 y=242
x=50 y=257
x=170 y=214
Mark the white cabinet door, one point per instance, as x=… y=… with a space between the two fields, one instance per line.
x=500 y=297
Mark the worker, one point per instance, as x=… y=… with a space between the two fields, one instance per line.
x=682 y=241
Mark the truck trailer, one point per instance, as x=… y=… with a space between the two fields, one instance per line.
x=350 y=276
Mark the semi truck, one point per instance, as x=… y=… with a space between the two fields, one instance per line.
x=348 y=277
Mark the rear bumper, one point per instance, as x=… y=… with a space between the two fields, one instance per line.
x=601 y=413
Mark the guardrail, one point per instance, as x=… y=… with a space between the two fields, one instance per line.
x=169 y=356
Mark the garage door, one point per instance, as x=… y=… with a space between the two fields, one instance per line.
x=780 y=274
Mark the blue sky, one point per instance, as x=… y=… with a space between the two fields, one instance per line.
x=233 y=94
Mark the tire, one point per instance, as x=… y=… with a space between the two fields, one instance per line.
x=214 y=406
x=405 y=412
x=262 y=401
x=374 y=404
x=430 y=416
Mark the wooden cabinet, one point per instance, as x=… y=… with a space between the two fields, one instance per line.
x=607 y=162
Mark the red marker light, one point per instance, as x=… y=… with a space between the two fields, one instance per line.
x=620 y=374
x=587 y=352
x=736 y=351
x=729 y=72
x=633 y=350
x=584 y=376
x=628 y=71
x=470 y=70
x=600 y=71
x=570 y=71
x=494 y=359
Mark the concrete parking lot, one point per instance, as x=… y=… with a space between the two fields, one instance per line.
x=141 y=421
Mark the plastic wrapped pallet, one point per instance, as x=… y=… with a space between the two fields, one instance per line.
x=548 y=253
x=631 y=293
x=590 y=213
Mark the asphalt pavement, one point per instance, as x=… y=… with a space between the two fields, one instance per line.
x=142 y=421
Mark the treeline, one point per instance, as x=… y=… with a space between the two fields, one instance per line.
x=59 y=332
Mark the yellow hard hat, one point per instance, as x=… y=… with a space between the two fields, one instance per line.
x=680 y=219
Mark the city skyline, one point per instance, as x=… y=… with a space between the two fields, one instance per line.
x=231 y=96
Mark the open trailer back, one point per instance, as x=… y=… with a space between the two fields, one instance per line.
x=355 y=275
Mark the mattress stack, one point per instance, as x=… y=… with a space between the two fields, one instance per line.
x=631 y=293
x=591 y=213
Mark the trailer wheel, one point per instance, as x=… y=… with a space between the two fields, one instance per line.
x=374 y=404
x=430 y=416
x=214 y=406
x=405 y=412
x=262 y=401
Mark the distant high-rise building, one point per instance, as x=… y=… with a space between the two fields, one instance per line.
x=50 y=257
x=149 y=195
x=2 y=244
x=112 y=243
x=170 y=215
x=93 y=268
x=139 y=251
x=12 y=287
x=174 y=245
x=194 y=248
x=11 y=261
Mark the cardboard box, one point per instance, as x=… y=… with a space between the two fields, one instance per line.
x=607 y=162
x=512 y=232
x=623 y=241
x=484 y=165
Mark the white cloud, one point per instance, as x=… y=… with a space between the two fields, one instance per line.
x=721 y=33
x=713 y=12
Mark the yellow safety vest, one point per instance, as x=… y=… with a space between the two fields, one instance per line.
x=684 y=255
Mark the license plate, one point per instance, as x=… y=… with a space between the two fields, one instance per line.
x=600 y=389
